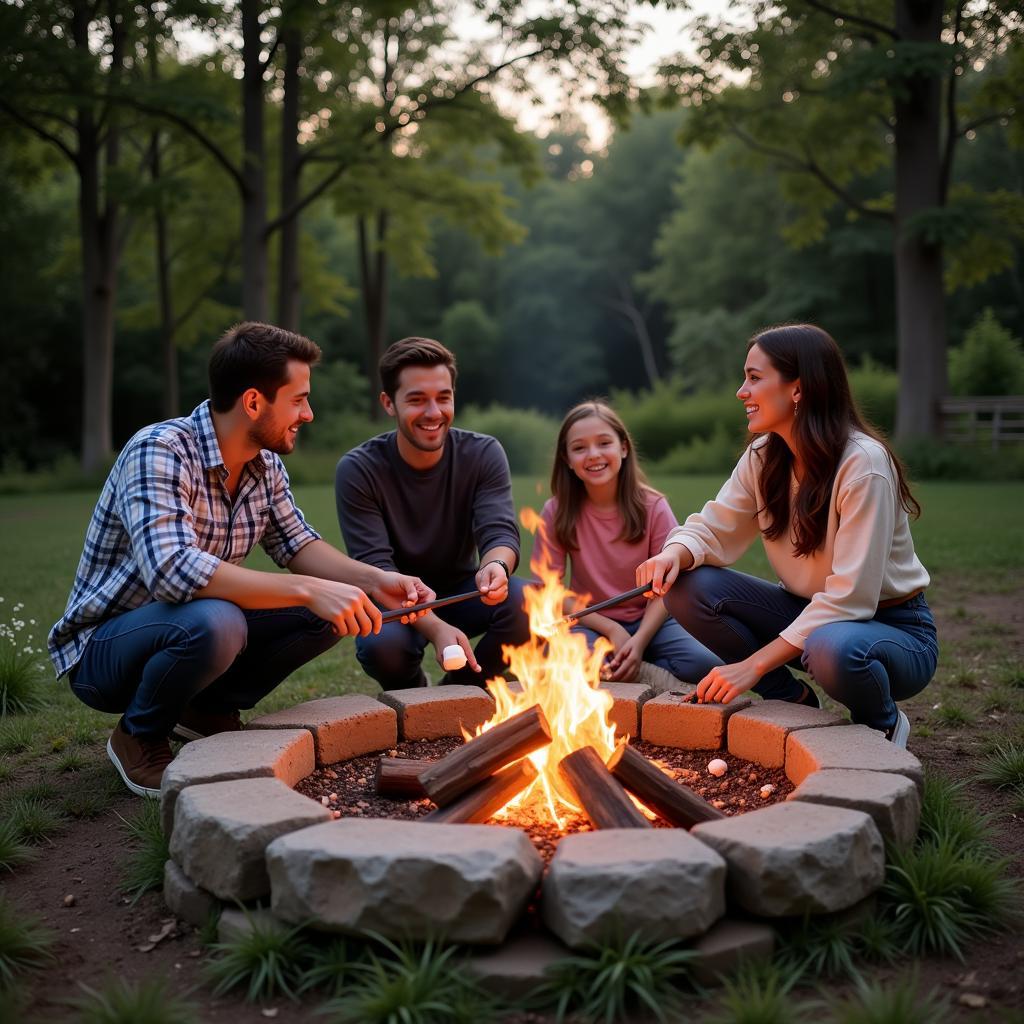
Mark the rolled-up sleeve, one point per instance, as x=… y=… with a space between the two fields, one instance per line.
x=157 y=516
x=863 y=539
x=287 y=531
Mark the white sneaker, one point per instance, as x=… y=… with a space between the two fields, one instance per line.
x=900 y=731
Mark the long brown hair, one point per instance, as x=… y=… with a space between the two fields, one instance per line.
x=570 y=491
x=827 y=416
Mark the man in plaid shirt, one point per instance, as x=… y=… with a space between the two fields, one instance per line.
x=164 y=625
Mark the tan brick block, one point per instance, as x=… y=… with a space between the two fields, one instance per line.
x=847 y=746
x=670 y=721
x=629 y=699
x=429 y=712
x=758 y=733
x=342 y=727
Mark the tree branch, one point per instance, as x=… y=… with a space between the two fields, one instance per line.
x=952 y=133
x=854 y=19
x=39 y=130
x=225 y=265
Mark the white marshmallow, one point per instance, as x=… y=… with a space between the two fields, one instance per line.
x=453 y=657
x=717 y=767
x=766 y=791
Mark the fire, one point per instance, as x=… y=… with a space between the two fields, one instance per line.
x=556 y=670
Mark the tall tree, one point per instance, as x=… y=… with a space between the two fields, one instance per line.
x=832 y=91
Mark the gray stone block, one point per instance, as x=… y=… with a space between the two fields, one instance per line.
x=402 y=879
x=892 y=800
x=660 y=680
x=847 y=746
x=430 y=712
x=342 y=727
x=669 y=720
x=727 y=945
x=517 y=967
x=184 y=899
x=629 y=699
x=286 y=754
x=758 y=733
x=662 y=883
x=798 y=858
x=221 y=832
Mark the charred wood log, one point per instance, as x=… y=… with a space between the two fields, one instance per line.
x=486 y=798
x=602 y=798
x=400 y=777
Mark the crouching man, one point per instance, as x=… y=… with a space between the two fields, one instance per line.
x=164 y=625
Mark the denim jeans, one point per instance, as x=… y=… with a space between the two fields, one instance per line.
x=151 y=662
x=671 y=648
x=866 y=665
x=394 y=655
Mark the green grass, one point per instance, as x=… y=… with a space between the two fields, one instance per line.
x=954 y=715
x=759 y=993
x=24 y=943
x=144 y=869
x=118 y=1001
x=35 y=821
x=1004 y=767
x=899 y=1002
x=14 y=851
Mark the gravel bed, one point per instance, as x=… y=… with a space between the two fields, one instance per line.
x=347 y=788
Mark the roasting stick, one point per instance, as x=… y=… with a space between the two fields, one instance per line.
x=575 y=616
x=441 y=602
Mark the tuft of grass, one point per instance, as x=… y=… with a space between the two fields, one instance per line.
x=616 y=978
x=878 y=940
x=207 y=931
x=1011 y=673
x=42 y=789
x=24 y=943
x=7 y=769
x=266 y=960
x=33 y=820
x=902 y=1002
x=119 y=1001
x=20 y=673
x=85 y=803
x=964 y=674
x=955 y=715
x=144 y=869
x=16 y=736
x=14 y=851
x=411 y=983
x=759 y=993
x=1004 y=767
x=820 y=947
x=333 y=966
x=71 y=760
x=946 y=816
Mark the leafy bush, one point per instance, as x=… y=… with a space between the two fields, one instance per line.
x=937 y=460
x=127 y=1002
x=144 y=869
x=875 y=390
x=989 y=362
x=527 y=436
x=715 y=454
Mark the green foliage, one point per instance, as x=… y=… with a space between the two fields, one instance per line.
x=119 y=1001
x=265 y=959
x=820 y=948
x=71 y=761
x=333 y=965
x=714 y=454
x=411 y=983
x=935 y=460
x=24 y=943
x=899 y=1002
x=875 y=390
x=616 y=978
x=758 y=993
x=947 y=817
x=527 y=436
x=144 y=869
x=954 y=715
x=33 y=819
x=989 y=362
x=1004 y=767
x=14 y=851
x=16 y=736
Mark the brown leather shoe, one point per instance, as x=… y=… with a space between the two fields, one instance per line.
x=194 y=725
x=139 y=760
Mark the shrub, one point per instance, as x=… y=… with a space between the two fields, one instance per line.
x=875 y=390
x=127 y=1002
x=936 y=460
x=527 y=436
x=144 y=869
x=715 y=454
x=989 y=362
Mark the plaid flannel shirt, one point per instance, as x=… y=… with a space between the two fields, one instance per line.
x=165 y=521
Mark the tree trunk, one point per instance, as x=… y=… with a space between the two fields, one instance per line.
x=920 y=295
x=289 y=283
x=374 y=282
x=254 y=198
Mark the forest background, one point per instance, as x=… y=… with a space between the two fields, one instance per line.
x=358 y=172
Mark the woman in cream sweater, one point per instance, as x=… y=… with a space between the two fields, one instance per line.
x=831 y=503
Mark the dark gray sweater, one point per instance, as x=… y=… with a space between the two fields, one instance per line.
x=430 y=523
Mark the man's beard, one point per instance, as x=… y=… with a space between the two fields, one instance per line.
x=262 y=435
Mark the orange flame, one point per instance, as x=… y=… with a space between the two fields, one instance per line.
x=556 y=670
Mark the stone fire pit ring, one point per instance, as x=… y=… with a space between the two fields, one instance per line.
x=239 y=832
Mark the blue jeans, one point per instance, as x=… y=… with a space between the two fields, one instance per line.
x=671 y=648
x=394 y=655
x=866 y=665
x=151 y=662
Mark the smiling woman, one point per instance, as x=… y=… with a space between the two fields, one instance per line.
x=831 y=503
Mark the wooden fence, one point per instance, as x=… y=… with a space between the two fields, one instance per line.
x=997 y=420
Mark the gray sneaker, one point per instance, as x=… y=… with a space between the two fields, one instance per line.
x=900 y=732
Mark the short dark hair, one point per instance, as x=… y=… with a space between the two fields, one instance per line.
x=412 y=352
x=255 y=355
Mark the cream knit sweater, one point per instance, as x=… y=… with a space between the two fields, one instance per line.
x=868 y=554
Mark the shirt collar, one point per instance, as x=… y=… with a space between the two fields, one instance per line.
x=209 y=447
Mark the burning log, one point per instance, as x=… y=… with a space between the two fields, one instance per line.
x=483 y=755
x=400 y=777
x=649 y=784
x=490 y=796
x=602 y=798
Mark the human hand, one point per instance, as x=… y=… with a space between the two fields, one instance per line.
x=396 y=590
x=659 y=572
x=724 y=682
x=444 y=636
x=618 y=638
x=347 y=608
x=624 y=664
x=492 y=583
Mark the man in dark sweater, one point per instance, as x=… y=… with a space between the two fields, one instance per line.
x=434 y=501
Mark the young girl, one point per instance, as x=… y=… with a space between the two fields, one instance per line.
x=831 y=503
x=604 y=517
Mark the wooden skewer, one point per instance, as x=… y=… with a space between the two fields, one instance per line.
x=441 y=602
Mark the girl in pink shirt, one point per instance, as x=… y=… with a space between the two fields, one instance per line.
x=604 y=517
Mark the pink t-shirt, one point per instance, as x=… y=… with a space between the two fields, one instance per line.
x=604 y=565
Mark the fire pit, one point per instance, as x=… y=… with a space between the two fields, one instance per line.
x=545 y=747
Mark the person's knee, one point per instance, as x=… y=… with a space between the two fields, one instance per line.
x=385 y=654
x=829 y=655
x=687 y=597
x=218 y=632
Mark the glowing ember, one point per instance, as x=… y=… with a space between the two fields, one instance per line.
x=556 y=670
